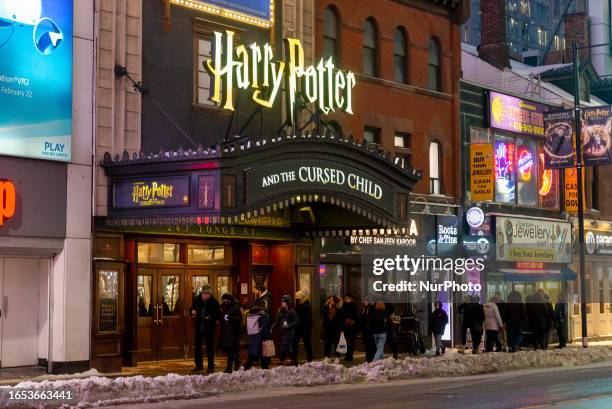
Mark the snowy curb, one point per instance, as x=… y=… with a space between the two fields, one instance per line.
x=100 y=391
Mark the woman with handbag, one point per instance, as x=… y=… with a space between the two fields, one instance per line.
x=333 y=322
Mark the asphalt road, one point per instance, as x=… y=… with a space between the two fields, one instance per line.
x=560 y=388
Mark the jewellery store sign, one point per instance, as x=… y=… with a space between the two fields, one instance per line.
x=522 y=239
x=317 y=176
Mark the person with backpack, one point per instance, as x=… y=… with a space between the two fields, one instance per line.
x=258 y=330
x=286 y=320
x=303 y=330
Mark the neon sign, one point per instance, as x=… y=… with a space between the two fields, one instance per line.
x=7 y=200
x=253 y=67
x=525 y=164
x=546 y=180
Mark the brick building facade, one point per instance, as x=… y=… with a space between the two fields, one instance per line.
x=389 y=104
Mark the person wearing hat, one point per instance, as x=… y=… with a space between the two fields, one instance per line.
x=286 y=320
x=231 y=317
x=205 y=309
x=303 y=330
x=263 y=299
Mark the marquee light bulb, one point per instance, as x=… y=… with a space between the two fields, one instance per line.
x=20 y=11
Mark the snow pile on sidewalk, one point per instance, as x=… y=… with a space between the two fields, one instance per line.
x=100 y=391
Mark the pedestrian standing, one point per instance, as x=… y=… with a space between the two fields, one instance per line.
x=286 y=320
x=464 y=310
x=477 y=327
x=258 y=329
x=332 y=326
x=263 y=298
x=378 y=323
x=437 y=325
x=350 y=314
x=550 y=318
x=537 y=313
x=390 y=340
x=205 y=309
x=516 y=320
x=492 y=324
x=231 y=318
x=561 y=320
x=366 y=333
x=303 y=330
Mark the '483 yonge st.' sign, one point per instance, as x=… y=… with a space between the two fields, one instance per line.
x=253 y=67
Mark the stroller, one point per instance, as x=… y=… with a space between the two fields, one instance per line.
x=411 y=326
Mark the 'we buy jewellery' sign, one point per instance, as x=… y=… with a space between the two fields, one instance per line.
x=253 y=67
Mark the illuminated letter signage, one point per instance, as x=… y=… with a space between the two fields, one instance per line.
x=253 y=67
x=151 y=192
x=7 y=200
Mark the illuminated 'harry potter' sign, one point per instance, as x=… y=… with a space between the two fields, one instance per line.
x=254 y=67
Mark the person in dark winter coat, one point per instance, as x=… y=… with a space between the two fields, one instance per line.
x=351 y=325
x=303 y=330
x=537 y=314
x=231 y=317
x=390 y=340
x=465 y=309
x=366 y=333
x=561 y=320
x=333 y=323
x=516 y=320
x=258 y=329
x=378 y=321
x=437 y=325
x=206 y=310
x=550 y=318
x=477 y=326
x=286 y=320
x=263 y=299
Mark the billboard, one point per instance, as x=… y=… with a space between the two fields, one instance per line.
x=36 y=78
x=513 y=114
x=482 y=174
x=559 y=139
x=597 y=135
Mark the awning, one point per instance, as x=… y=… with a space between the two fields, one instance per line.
x=511 y=274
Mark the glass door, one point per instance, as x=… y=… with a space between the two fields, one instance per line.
x=196 y=280
x=171 y=311
x=147 y=314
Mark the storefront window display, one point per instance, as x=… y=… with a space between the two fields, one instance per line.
x=520 y=177
x=158 y=253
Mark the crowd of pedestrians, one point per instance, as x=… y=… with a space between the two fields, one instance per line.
x=505 y=324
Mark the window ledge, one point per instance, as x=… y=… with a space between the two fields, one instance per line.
x=404 y=87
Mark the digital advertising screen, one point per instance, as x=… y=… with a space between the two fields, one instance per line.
x=36 y=78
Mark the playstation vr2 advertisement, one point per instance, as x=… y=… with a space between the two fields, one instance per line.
x=36 y=78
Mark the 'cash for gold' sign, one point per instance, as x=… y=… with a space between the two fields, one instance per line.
x=570 y=195
x=151 y=192
x=253 y=67
x=481 y=171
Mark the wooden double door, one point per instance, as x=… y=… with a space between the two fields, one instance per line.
x=165 y=328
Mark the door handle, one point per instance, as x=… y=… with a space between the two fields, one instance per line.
x=160 y=320
x=155 y=318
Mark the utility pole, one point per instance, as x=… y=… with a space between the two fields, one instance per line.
x=579 y=170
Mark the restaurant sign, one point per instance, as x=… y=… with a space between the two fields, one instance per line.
x=522 y=239
x=145 y=193
x=254 y=67
x=514 y=114
x=316 y=176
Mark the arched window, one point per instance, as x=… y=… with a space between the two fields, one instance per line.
x=435 y=168
x=330 y=34
x=433 y=73
x=370 y=49
x=400 y=60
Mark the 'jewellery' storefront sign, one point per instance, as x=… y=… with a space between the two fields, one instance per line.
x=297 y=176
x=151 y=193
x=521 y=239
x=518 y=115
x=253 y=67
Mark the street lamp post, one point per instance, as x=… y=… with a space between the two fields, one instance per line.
x=579 y=166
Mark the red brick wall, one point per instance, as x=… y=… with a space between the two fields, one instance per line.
x=390 y=106
x=576 y=30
